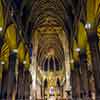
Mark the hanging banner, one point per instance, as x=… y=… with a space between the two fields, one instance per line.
x=10 y=36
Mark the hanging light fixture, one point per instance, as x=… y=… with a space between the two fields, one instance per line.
x=77 y=49
x=15 y=50
x=1 y=29
x=24 y=62
x=72 y=61
x=88 y=26
x=2 y=62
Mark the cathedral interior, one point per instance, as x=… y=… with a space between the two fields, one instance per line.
x=49 y=49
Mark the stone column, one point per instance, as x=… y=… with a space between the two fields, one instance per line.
x=1 y=72
x=4 y=85
x=20 y=82
x=75 y=82
x=41 y=89
x=83 y=75
x=11 y=75
x=91 y=85
x=1 y=65
x=27 y=83
x=93 y=41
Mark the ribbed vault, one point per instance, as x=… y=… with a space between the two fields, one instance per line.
x=48 y=18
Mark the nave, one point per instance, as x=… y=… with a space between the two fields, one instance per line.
x=49 y=49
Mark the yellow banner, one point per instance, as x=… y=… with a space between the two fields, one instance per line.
x=21 y=52
x=1 y=15
x=10 y=36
